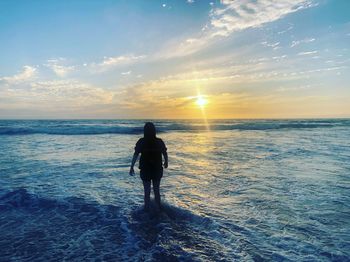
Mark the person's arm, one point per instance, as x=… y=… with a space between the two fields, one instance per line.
x=133 y=161
x=165 y=155
x=135 y=156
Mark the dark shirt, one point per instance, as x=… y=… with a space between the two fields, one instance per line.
x=151 y=152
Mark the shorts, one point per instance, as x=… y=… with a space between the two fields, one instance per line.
x=148 y=174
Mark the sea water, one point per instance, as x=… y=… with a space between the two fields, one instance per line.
x=235 y=190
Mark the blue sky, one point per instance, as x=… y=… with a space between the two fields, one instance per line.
x=152 y=59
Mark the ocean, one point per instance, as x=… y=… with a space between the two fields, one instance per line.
x=235 y=190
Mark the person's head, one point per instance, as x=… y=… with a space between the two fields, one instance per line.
x=149 y=130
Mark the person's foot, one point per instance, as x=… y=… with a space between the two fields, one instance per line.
x=146 y=208
x=159 y=208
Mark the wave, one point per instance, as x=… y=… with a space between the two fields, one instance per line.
x=250 y=126
x=70 y=130
x=136 y=127
x=75 y=229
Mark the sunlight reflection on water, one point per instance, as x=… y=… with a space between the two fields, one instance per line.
x=245 y=194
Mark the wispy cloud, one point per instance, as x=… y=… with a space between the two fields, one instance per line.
x=126 y=73
x=308 y=53
x=72 y=92
x=304 y=41
x=272 y=45
x=58 y=67
x=111 y=62
x=55 y=95
x=28 y=73
x=159 y=99
x=232 y=16
x=239 y=15
x=293 y=88
x=290 y=27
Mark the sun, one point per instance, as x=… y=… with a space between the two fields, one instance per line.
x=201 y=101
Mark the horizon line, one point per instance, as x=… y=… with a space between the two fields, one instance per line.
x=145 y=119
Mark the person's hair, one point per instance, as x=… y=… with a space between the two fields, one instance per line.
x=149 y=131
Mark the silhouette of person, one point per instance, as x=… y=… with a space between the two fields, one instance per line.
x=151 y=167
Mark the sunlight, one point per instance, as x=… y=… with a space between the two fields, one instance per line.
x=201 y=101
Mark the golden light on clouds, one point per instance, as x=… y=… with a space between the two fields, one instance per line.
x=183 y=97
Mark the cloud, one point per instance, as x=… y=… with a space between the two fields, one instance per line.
x=126 y=73
x=175 y=98
x=28 y=73
x=274 y=46
x=72 y=92
x=232 y=16
x=293 y=88
x=60 y=68
x=55 y=96
x=56 y=66
x=154 y=97
x=190 y=1
x=239 y=15
x=304 y=41
x=286 y=30
x=308 y=53
x=174 y=94
x=111 y=62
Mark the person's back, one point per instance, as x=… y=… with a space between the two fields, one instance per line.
x=151 y=152
x=151 y=167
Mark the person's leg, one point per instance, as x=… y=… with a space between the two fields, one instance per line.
x=156 y=184
x=147 y=191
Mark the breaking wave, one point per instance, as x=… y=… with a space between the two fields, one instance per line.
x=96 y=127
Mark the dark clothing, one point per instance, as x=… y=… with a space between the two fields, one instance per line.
x=151 y=167
x=151 y=174
x=151 y=152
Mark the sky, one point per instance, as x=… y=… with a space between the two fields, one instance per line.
x=174 y=59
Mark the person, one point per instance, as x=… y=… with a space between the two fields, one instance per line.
x=151 y=165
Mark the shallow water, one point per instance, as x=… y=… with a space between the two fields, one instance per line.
x=235 y=190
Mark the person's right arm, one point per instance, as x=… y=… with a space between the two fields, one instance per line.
x=135 y=156
x=133 y=161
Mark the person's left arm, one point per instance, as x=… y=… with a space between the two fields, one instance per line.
x=165 y=155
